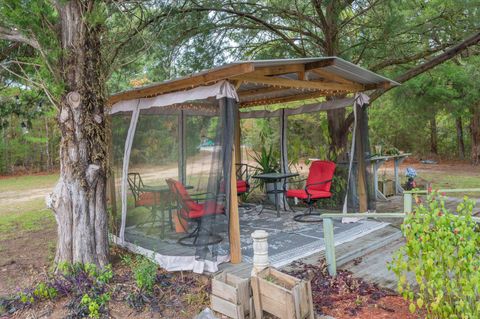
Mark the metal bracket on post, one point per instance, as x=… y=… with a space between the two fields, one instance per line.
x=329 y=246
x=260 y=251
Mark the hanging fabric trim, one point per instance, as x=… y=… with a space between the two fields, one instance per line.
x=126 y=161
x=218 y=90
x=361 y=100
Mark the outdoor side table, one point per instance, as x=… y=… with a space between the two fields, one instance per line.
x=378 y=161
x=274 y=178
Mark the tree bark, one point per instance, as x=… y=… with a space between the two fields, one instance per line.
x=475 y=133
x=79 y=198
x=460 y=140
x=433 y=135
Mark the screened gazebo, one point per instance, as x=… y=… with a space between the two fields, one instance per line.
x=175 y=146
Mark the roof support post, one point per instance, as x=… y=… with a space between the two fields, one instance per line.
x=231 y=114
x=362 y=150
x=283 y=141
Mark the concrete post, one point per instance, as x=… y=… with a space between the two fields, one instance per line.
x=260 y=251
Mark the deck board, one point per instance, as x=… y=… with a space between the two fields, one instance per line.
x=374 y=249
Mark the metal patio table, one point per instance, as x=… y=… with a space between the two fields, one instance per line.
x=162 y=203
x=274 y=178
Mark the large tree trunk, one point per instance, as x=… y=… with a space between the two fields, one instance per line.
x=433 y=135
x=475 y=132
x=338 y=134
x=79 y=201
x=460 y=140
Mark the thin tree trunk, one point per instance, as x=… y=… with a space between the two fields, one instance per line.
x=47 y=145
x=79 y=198
x=475 y=132
x=433 y=135
x=460 y=140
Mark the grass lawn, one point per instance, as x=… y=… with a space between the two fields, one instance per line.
x=22 y=204
x=27 y=182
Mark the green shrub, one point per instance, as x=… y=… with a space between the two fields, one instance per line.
x=145 y=273
x=442 y=252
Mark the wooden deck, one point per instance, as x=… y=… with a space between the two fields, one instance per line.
x=366 y=257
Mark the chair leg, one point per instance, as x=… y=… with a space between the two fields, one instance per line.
x=196 y=233
x=306 y=215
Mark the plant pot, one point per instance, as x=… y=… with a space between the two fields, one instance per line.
x=281 y=295
x=181 y=226
x=271 y=197
x=231 y=296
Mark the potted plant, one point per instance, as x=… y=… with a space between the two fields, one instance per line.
x=268 y=162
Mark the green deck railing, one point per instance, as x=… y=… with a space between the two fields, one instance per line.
x=407 y=208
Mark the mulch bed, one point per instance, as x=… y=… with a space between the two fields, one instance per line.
x=345 y=296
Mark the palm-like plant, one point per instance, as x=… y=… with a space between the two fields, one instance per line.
x=266 y=162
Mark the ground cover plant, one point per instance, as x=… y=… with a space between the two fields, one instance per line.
x=131 y=287
x=442 y=252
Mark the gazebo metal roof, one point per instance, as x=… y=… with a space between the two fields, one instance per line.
x=262 y=82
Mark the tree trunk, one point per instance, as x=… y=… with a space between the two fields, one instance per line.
x=79 y=198
x=433 y=135
x=337 y=133
x=475 y=132
x=460 y=140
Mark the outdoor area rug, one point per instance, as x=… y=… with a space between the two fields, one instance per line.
x=289 y=240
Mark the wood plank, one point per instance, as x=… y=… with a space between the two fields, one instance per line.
x=290 y=98
x=225 y=291
x=257 y=301
x=280 y=69
x=191 y=81
x=296 y=84
x=310 y=300
x=297 y=301
x=275 y=307
x=332 y=77
x=234 y=224
x=319 y=64
x=229 y=309
x=259 y=91
x=329 y=246
x=272 y=290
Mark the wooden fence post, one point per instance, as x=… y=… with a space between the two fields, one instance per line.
x=329 y=246
x=407 y=202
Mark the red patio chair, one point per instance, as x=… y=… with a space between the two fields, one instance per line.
x=243 y=185
x=317 y=186
x=140 y=197
x=190 y=210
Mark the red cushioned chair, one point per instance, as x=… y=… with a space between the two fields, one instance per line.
x=243 y=184
x=190 y=210
x=317 y=186
x=152 y=200
x=141 y=198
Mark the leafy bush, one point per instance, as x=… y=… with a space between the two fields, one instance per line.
x=145 y=273
x=442 y=251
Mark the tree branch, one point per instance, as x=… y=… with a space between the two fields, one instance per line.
x=16 y=36
x=419 y=69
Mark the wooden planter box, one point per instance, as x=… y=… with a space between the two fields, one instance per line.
x=232 y=296
x=281 y=295
x=387 y=187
